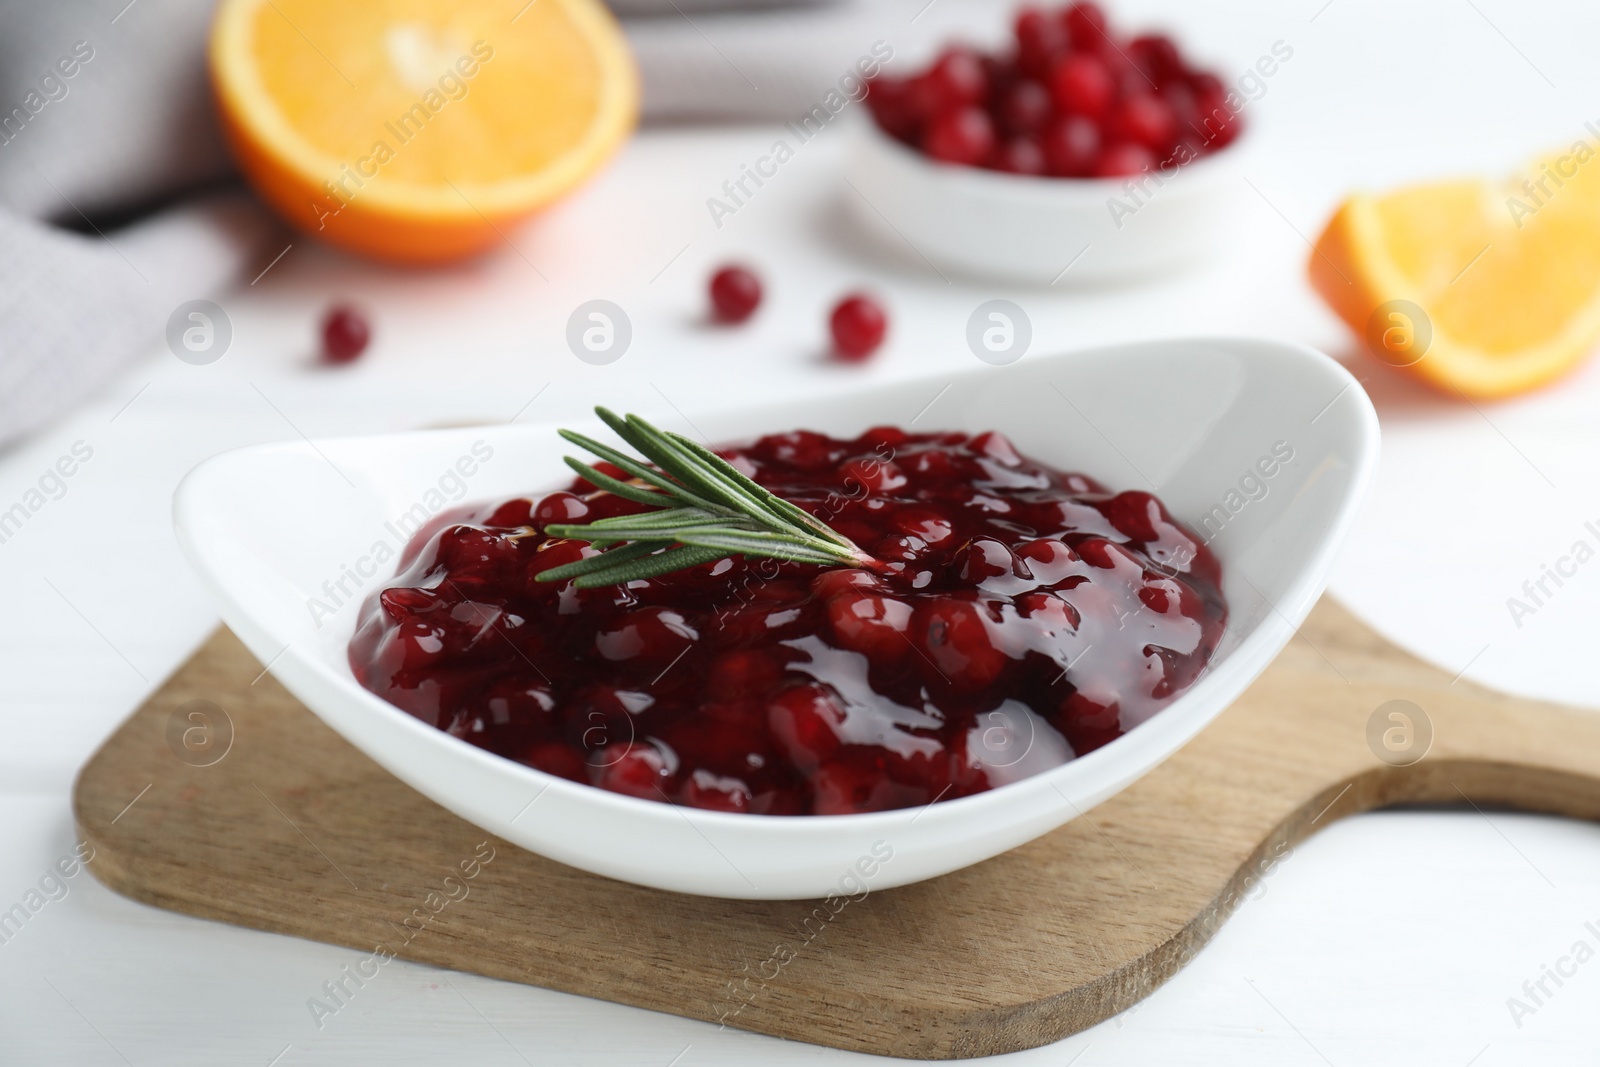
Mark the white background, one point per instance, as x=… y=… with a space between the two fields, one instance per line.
x=1389 y=938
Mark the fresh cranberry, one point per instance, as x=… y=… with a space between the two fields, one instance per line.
x=345 y=334
x=890 y=101
x=1145 y=119
x=858 y=325
x=964 y=135
x=1219 y=123
x=1082 y=85
x=1041 y=39
x=1004 y=111
x=1001 y=74
x=1025 y=107
x=958 y=78
x=1157 y=56
x=1124 y=160
x=925 y=99
x=1086 y=25
x=1185 y=108
x=1020 y=155
x=1134 y=80
x=1071 y=147
x=735 y=293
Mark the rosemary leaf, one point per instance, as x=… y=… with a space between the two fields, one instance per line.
x=637 y=493
x=614 y=557
x=673 y=559
x=706 y=510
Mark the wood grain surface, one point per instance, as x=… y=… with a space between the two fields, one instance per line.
x=256 y=813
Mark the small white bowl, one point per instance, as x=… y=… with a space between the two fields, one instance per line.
x=276 y=528
x=1014 y=228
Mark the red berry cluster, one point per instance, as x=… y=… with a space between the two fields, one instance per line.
x=1025 y=615
x=1073 y=99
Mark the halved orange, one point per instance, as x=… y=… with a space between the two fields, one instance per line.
x=1489 y=288
x=419 y=130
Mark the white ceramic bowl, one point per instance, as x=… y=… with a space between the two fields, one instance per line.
x=273 y=529
x=1041 y=231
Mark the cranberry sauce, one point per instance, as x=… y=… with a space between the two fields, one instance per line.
x=1025 y=616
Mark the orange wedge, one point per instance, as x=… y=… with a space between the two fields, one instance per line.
x=419 y=130
x=1482 y=288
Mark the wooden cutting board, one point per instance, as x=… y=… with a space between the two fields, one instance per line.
x=255 y=813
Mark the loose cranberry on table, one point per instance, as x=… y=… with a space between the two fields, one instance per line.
x=345 y=334
x=735 y=293
x=1016 y=601
x=857 y=324
x=1010 y=111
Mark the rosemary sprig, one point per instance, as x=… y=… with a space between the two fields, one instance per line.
x=707 y=510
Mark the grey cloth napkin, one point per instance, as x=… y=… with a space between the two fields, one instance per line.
x=105 y=114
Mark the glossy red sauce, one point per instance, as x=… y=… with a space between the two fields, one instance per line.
x=1027 y=616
